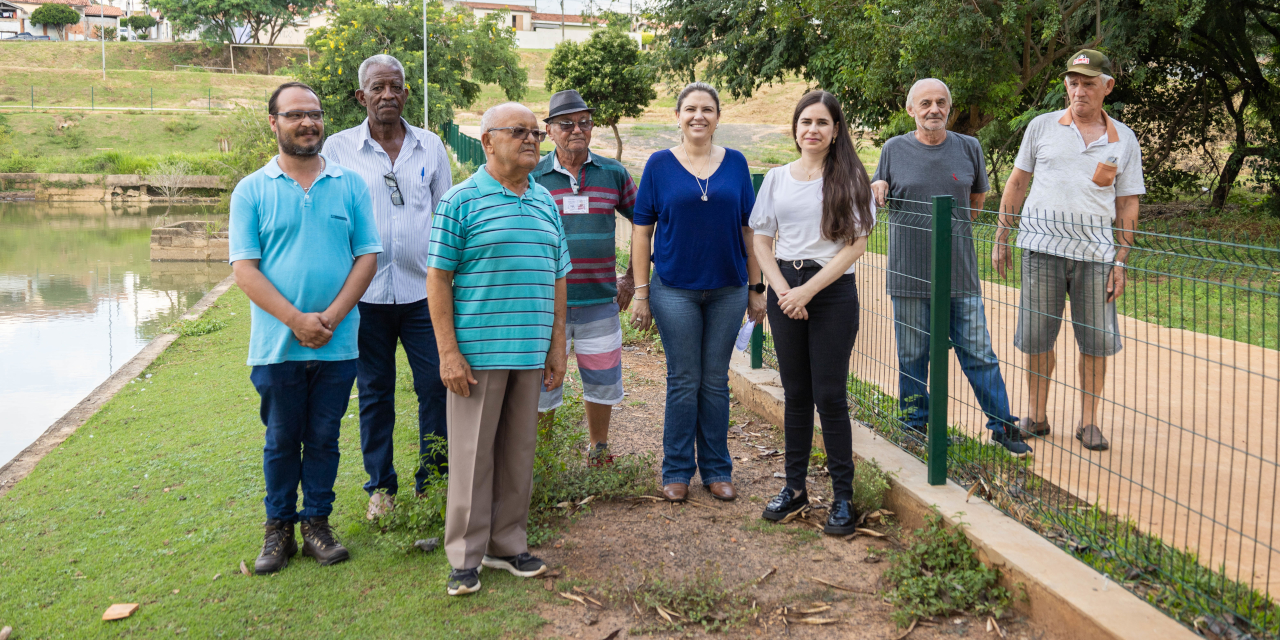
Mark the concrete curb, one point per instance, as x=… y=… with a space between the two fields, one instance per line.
x=1062 y=592
x=26 y=461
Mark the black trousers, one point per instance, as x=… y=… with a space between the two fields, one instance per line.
x=813 y=360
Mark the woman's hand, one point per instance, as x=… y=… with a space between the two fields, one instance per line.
x=793 y=302
x=756 y=303
x=641 y=317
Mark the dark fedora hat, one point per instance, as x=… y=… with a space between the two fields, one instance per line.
x=566 y=102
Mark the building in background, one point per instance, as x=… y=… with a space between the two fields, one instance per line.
x=536 y=30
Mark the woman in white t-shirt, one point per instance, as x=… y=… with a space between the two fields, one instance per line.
x=811 y=220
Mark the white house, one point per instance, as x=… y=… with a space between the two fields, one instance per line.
x=537 y=30
x=13 y=19
x=92 y=15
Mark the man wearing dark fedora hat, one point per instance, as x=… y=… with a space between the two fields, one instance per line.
x=1088 y=170
x=588 y=190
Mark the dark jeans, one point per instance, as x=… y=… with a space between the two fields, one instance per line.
x=697 y=329
x=813 y=361
x=972 y=343
x=381 y=325
x=302 y=407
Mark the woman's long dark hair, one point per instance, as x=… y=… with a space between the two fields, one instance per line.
x=846 y=189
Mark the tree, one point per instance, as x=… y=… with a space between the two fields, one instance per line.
x=57 y=16
x=140 y=22
x=610 y=72
x=217 y=20
x=464 y=55
x=1001 y=59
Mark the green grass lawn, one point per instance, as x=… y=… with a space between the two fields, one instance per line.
x=146 y=56
x=129 y=89
x=158 y=498
x=37 y=134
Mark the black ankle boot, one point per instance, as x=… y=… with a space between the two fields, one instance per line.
x=842 y=519
x=319 y=543
x=278 y=546
x=784 y=504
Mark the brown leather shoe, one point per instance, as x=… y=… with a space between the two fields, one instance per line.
x=1091 y=437
x=722 y=491
x=675 y=492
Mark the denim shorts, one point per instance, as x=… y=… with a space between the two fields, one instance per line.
x=1047 y=281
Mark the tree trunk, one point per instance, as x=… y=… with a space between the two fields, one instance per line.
x=617 y=138
x=1230 y=171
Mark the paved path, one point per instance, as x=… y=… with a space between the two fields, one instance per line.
x=1193 y=422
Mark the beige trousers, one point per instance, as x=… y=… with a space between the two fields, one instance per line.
x=492 y=436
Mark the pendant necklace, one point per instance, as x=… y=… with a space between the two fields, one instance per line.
x=697 y=177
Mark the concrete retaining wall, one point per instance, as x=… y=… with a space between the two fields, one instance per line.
x=94 y=187
x=189 y=241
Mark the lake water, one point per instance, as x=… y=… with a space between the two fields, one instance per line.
x=79 y=297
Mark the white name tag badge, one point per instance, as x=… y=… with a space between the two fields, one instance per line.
x=577 y=204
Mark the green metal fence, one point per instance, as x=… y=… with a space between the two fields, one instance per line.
x=95 y=98
x=1182 y=507
x=467 y=148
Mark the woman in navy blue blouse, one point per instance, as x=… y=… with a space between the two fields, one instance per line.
x=691 y=214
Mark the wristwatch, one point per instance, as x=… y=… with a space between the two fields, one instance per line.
x=1120 y=264
x=756 y=288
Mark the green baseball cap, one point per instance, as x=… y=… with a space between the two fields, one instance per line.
x=1088 y=62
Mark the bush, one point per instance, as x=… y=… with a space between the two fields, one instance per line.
x=939 y=574
x=97 y=33
x=700 y=600
x=870 y=483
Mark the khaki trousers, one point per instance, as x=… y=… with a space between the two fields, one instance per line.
x=492 y=436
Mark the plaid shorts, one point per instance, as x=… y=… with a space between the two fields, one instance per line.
x=1047 y=281
x=595 y=335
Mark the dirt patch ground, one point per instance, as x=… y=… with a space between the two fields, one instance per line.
x=611 y=549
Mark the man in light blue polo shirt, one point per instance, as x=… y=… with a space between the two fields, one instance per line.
x=303 y=247
x=497 y=290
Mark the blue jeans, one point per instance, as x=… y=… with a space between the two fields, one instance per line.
x=698 y=329
x=380 y=327
x=302 y=407
x=972 y=343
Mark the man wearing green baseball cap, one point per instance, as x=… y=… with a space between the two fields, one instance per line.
x=1076 y=232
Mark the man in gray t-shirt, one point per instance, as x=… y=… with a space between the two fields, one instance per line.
x=914 y=167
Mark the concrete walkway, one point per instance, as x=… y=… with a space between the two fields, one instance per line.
x=1193 y=422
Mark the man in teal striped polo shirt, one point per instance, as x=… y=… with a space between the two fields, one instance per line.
x=588 y=190
x=496 y=287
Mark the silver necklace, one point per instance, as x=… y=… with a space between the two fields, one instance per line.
x=697 y=177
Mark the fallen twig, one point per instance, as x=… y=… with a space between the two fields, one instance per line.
x=909 y=630
x=841 y=587
x=766 y=575
x=570 y=596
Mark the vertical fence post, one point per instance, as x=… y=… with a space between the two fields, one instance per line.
x=91 y=100
x=33 y=97
x=939 y=338
x=153 y=98
x=757 y=334
x=210 y=99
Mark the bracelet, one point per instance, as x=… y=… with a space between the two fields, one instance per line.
x=639 y=298
x=640 y=286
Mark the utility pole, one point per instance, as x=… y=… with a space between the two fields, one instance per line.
x=561 y=20
x=102 y=35
x=426 y=115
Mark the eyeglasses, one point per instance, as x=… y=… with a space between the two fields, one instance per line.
x=568 y=125
x=297 y=116
x=520 y=133
x=390 y=180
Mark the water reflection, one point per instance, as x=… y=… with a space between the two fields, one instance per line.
x=79 y=296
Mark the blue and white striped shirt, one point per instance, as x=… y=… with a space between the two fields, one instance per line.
x=405 y=229
x=506 y=251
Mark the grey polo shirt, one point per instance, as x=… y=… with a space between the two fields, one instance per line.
x=1067 y=213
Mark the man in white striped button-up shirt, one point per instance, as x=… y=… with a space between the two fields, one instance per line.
x=407 y=171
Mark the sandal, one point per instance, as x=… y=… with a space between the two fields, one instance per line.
x=1031 y=427
x=1091 y=437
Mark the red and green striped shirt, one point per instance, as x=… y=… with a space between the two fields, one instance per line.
x=608 y=187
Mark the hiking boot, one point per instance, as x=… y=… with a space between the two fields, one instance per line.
x=380 y=504
x=599 y=455
x=463 y=581
x=319 y=543
x=1011 y=440
x=524 y=565
x=277 y=547
x=1038 y=429
x=1091 y=437
x=784 y=504
x=842 y=519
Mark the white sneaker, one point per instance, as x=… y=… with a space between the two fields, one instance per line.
x=380 y=504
